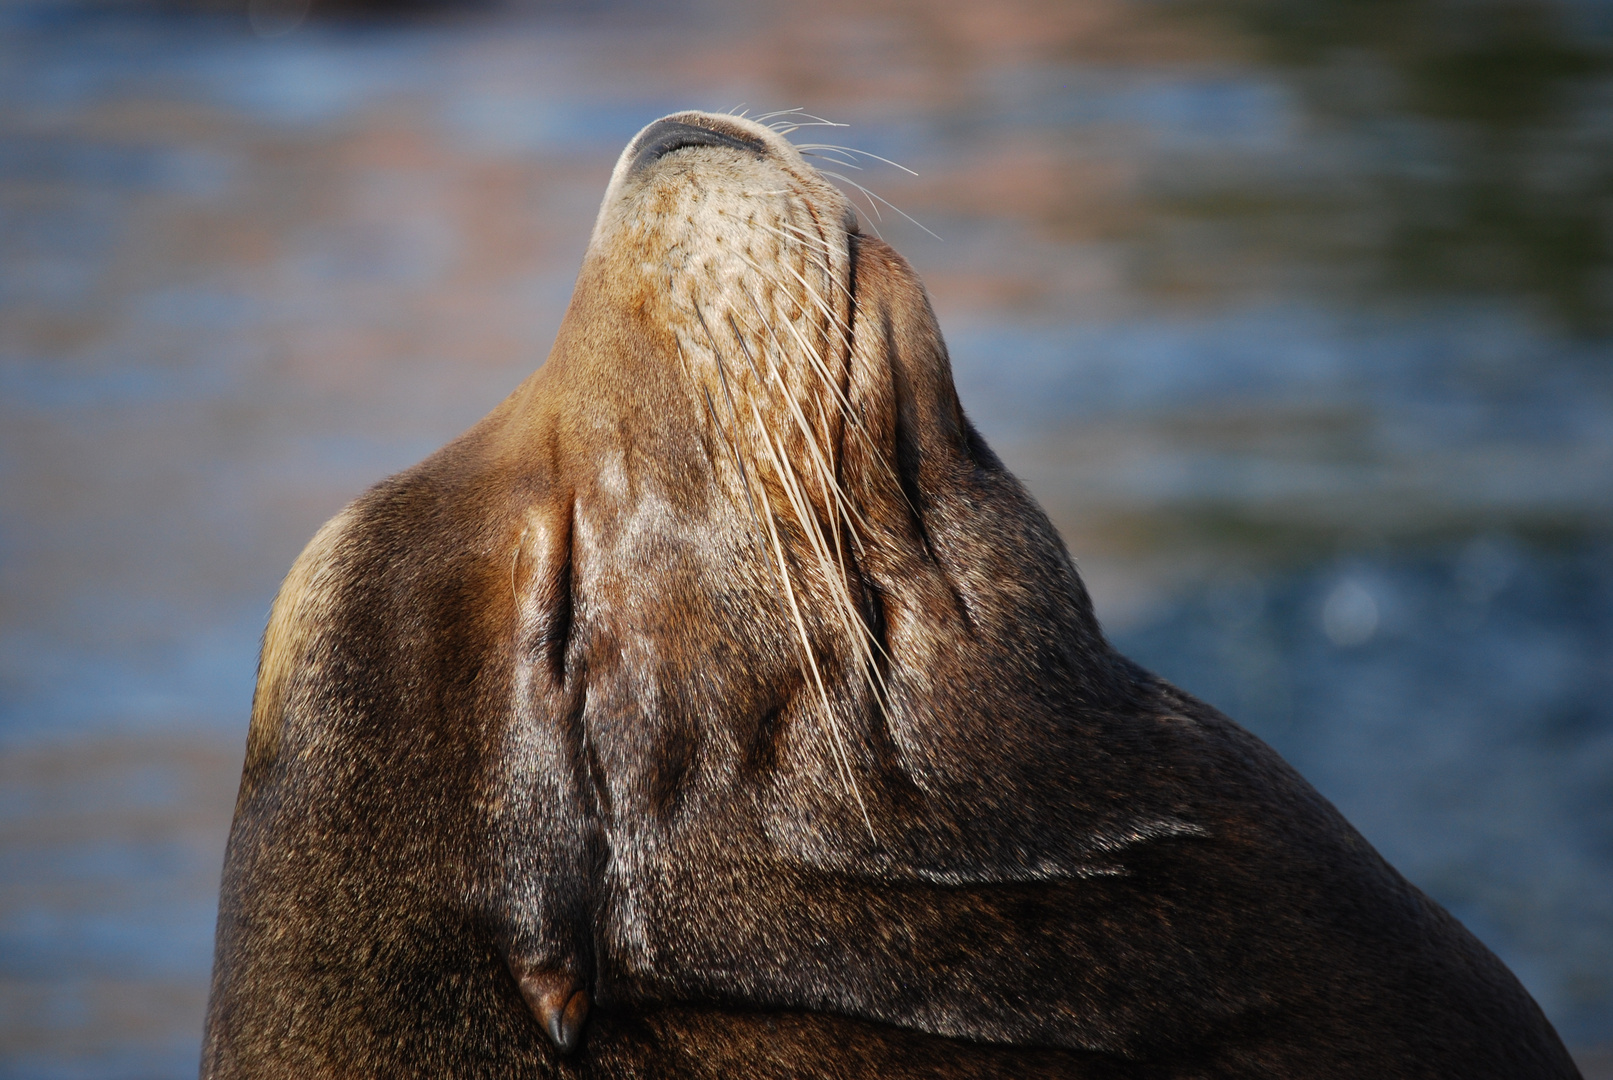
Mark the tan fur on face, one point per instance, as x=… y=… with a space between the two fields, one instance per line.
x=747 y=266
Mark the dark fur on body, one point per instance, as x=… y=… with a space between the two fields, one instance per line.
x=541 y=704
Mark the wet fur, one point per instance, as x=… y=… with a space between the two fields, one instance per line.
x=764 y=703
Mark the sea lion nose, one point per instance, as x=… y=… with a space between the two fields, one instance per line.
x=664 y=136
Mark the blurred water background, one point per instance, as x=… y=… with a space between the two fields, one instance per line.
x=1295 y=314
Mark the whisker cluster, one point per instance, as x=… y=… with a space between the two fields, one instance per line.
x=785 y=121
x=873 y=198
x=780 y=334
x=776 y=333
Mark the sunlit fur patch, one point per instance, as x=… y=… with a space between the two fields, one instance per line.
x=299 y=608
x=750 y=260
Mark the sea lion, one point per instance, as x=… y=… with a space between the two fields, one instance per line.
x=720 y=705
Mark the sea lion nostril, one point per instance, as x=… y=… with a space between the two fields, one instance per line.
x=665 y=136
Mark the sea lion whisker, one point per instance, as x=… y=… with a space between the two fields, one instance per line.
x=845 y=403
x=812 y=292
x=843 y=406
x=842 y=758
x=830 y=313
x=813 y=356
x=833 y=571
x=823 y=265
x=832 y=565
x=866 y=194
x=744 y=348
x=716 y=354
x=826 y=155
x=825 y=434
x=792 y=402
x=854 y=150
x=799 y=114
x=786 y=223
x=819 y=455
x=871 y=196
x=817 y=244
x=683 y=362
x=739 y=462
x=856 y=627
x=795 y=489
x=744 y=474
x=812 y=243
x=817 y=299
x=828 y=482
x=731 y=441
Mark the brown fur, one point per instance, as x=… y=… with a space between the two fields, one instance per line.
x=724 y=673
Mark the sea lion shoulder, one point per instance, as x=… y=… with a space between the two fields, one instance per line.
x=300 y=608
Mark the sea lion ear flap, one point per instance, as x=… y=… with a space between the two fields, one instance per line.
x=542 y=829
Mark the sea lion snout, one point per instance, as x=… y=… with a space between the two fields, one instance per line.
x=666 y=136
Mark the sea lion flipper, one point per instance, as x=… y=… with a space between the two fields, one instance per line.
x=559 y=1004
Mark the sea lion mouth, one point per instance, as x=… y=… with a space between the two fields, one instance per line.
x=734 y=247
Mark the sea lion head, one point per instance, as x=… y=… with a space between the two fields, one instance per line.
x=779 y=603
x=799 y=582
